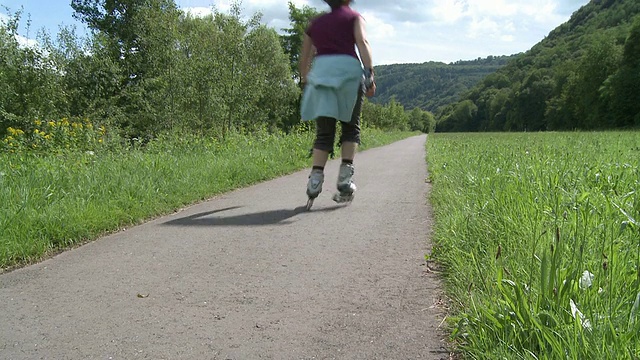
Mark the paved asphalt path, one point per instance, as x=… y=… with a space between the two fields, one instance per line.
x=247 y=275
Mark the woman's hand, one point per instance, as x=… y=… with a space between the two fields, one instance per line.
x=371 y=91
x=369 y=82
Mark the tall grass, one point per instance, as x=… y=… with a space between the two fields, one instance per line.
x=51 y=201
x=540 y=238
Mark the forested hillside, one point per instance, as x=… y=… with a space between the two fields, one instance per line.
x=432 y=85
x=584 y=75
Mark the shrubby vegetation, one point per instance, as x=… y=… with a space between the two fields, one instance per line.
x=149 y=68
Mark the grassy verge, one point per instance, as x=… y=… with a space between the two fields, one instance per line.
x=52 y=202
x=540 y=238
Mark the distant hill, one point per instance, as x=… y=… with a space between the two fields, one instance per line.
x=432 y=85
x=584 y=75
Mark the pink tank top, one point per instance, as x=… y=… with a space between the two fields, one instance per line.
x=332 y=33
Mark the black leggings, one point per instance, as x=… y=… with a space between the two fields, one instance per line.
x=326 y=127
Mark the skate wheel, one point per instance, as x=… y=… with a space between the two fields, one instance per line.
x=309 y=204
x=342 y=199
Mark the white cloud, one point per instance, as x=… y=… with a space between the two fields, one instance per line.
x=22 y=41
x=448 y=11
x=494 y=8
x=484 y=27
x=429 y=30
x=378 y=29
x=198 y=11
x=271 y=3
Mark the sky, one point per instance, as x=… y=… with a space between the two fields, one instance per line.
x=400 y=31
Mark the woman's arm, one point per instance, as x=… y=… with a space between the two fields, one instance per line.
x=363 y=44
x=304 y=64
x=365 y=53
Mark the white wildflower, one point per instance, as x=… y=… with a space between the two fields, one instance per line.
x=577 y=314
x=586 y=280
x=574 y=309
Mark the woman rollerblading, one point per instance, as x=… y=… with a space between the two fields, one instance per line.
x=335 y=85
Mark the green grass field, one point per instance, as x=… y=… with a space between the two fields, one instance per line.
x=53 y=201
x=539 y=238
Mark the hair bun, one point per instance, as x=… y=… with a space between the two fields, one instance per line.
x=336 y=3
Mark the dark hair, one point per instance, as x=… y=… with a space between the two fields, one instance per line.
x=336 y=3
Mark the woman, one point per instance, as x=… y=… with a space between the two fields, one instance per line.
x=334 y=89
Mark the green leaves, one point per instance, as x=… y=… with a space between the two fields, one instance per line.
x=292 y=40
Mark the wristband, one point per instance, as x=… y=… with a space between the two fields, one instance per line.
x=369 y=79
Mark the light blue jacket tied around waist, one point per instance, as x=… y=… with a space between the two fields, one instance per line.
x=332 y=88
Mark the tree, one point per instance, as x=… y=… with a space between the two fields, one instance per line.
x=621 y=90
x=420 y=120
x=461 y=116
x=198 y=85
x=235 y=73
x=531 y=101
x=137 y=35
x=29 y=81
x=601 y=60
x=429 y=122
x=276 y=93
x=292 y=40
x=416 y=121
x=234 y=79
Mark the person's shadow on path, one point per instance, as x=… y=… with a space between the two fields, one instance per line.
x=273 y=217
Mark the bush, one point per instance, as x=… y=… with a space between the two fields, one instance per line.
x=54 y=136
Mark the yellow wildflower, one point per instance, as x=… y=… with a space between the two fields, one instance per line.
x=11 y=131
x=38 y=122
x=52 y=124
x=65 y=121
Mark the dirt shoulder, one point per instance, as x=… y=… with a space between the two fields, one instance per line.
x=247 y=275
